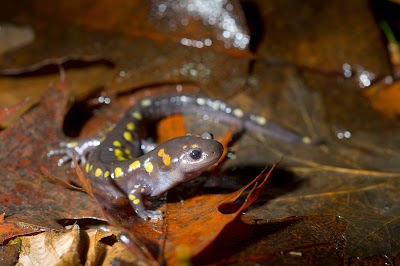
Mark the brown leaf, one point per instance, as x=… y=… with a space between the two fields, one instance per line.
x=22 y=93
x=26 y=197
x=9 y=253
x=137 y=37
x=310 y=240
x=196 y=222
x=10 y=113
x=296 y=80
x=312 y=46
x=52 y=248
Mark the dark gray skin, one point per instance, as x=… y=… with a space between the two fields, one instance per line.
x=181 y=159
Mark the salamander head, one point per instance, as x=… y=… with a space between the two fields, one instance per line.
x=198 y=153
x=187 y=157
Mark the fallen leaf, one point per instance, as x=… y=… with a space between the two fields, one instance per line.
x=52 y=248
x=293 y=80
x=9 y=253
x=190 y=225
x=310 y=240
x=194 y=223
x=30 y=202
x=384 y=98
x=149 y=47
x=11 y=113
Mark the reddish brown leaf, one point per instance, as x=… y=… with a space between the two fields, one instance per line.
x=84 y=181
x=47 y=175
x=11 y=229
x=25 y=196
x=196 y=222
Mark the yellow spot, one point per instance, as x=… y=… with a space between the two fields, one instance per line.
x=106 y=174
x=98 y=172
x=148 y=167
x=118 y=152
x=137 y=115
x=184 y=147
x=116 y=143
x=127 y=136
x=72 y=144
x=261 y=120
x=118 y=172
x=145 y=102
x=131 y=197
x=121 y=158
x=87 y=166
x=130 y=126
x=165 y=157
x=142 y=190
x=136 y=201
x=133 y=166
x=91 y=167
x=136 y=186
x=194 y=146
x=127 y=151
x=130 y=157
x=238 y=112
x=306 y=140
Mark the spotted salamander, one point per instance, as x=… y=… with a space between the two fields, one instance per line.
x=118 y=166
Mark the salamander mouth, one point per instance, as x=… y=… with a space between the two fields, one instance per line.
x=218 y=151
x=215 y=154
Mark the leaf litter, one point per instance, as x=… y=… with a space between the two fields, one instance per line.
x=348 y=186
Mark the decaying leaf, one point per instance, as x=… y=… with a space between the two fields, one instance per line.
x=52 y=248
x=143 y=47
x=30 y=202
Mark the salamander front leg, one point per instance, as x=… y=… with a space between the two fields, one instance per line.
x=135 y=199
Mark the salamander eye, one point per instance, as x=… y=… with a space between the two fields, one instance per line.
x=195 y=154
